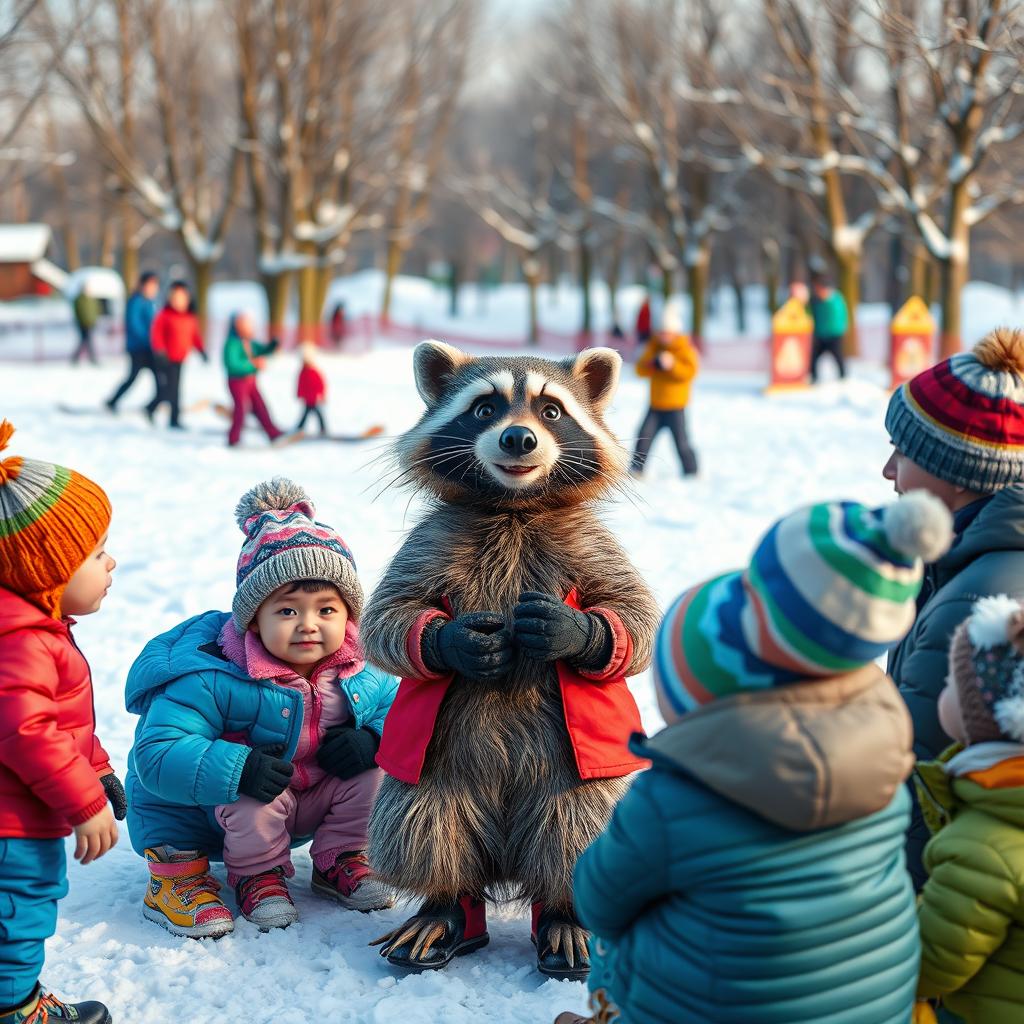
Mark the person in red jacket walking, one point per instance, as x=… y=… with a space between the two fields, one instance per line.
x=55 y=776
x=312 y=388
x=174 y=334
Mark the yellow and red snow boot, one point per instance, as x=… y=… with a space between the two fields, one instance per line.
x=182 y=895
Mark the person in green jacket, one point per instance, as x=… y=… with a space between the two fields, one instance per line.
x=972 y=907
x=243 y=359
x=831 y=320
x=87 y=314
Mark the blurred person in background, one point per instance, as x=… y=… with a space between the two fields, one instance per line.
x=174 y=334
x=138 y=322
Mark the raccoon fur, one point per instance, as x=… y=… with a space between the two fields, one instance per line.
x=500 y=811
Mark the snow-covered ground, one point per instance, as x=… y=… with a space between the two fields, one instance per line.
x=176 y=544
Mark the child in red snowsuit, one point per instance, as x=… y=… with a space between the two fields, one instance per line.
x=312 y=388
x=55 y=777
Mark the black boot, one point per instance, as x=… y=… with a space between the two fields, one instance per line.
x=48 y=1009
x=437 y=934
x=562 y=943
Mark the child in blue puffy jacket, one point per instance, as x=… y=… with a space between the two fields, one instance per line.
x=756 y=873
x=259 y=729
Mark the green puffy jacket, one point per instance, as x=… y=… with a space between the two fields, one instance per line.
x=87 y=310
x=239 y=355
x=972 y=907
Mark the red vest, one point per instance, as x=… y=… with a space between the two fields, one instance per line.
x=600 y=716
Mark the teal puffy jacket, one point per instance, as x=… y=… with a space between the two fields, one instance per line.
x=200 y=715
x=716 y=896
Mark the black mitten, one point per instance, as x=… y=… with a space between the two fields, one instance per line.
x=547 y=629
x=115 y=794
x=477 y=646
x=347 y=751
x=265 y=776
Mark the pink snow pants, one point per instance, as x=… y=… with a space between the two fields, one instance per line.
x=258 y=837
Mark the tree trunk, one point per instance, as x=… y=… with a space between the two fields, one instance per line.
x=531 y=271
x=954 y=269
x=849 y=285
x=586 y=264
x=108 y=242
x=278 y=289
x=322 y=284
x=953 y=277
x=202 y=274
x=309 y=315
x=454 y=280
x=697 y=285
x=741 y=306
x=771 y=256
x=895 y=285
x=919 y=271
x=392 y=264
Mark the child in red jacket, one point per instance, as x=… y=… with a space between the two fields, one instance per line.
x=54 y=775
x=312 y=388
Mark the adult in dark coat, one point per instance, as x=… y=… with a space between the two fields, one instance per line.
x=958 y=431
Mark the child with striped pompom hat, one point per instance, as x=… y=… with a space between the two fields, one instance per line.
x=55 y=777
x=756 y=872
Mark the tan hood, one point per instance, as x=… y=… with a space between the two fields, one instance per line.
x=806 y=756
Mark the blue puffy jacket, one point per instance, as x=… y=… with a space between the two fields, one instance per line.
x=138 y=319
x=755 y=874
x=189 y=696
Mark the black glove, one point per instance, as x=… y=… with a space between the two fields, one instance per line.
x=477 y=646
x=265 y=776
x=547 y=629
x=115 y=794
x=274 y=345
x=204 y=355
x=347 y=751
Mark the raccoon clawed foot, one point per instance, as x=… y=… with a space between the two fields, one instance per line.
x=563 y=945
x=438 y=933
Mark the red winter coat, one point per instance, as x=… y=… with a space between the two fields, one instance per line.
x=312 y=387
x=175 y=334
x=50 y=759
x=600 y=712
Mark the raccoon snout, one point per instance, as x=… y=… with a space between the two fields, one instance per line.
x=518 y=440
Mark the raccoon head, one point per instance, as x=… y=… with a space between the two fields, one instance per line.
x=513 y=431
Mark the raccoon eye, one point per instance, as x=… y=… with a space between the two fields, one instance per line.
x=484 y=410
x=551 y=412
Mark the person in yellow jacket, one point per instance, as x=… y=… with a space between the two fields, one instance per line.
x=972 y=907
x=670 y=362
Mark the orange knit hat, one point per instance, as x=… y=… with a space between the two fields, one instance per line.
x=51 y=519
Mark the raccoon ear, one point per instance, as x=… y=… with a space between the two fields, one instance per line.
x=433 y=363
x=598 y=370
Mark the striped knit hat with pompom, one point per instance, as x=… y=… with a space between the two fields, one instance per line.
x=986 y=665
x=962 y=420
x=829 y=589
x=285 y=544
x=51 y=519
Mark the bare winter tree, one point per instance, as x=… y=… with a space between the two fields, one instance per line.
x=187 y=178
x=647 y=57
x=436 y=39
x=967 y=58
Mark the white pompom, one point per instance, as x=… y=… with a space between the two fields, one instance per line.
x=990 y=619
x=275 y=495
x=919 y=525
x=1009 y=715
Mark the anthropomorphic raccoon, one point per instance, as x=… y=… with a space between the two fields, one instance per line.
x=513 y=616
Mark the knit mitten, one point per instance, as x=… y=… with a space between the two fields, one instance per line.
x=265 y=776
x=547 y=629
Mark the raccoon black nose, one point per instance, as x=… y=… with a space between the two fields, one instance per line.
x=518 y=440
